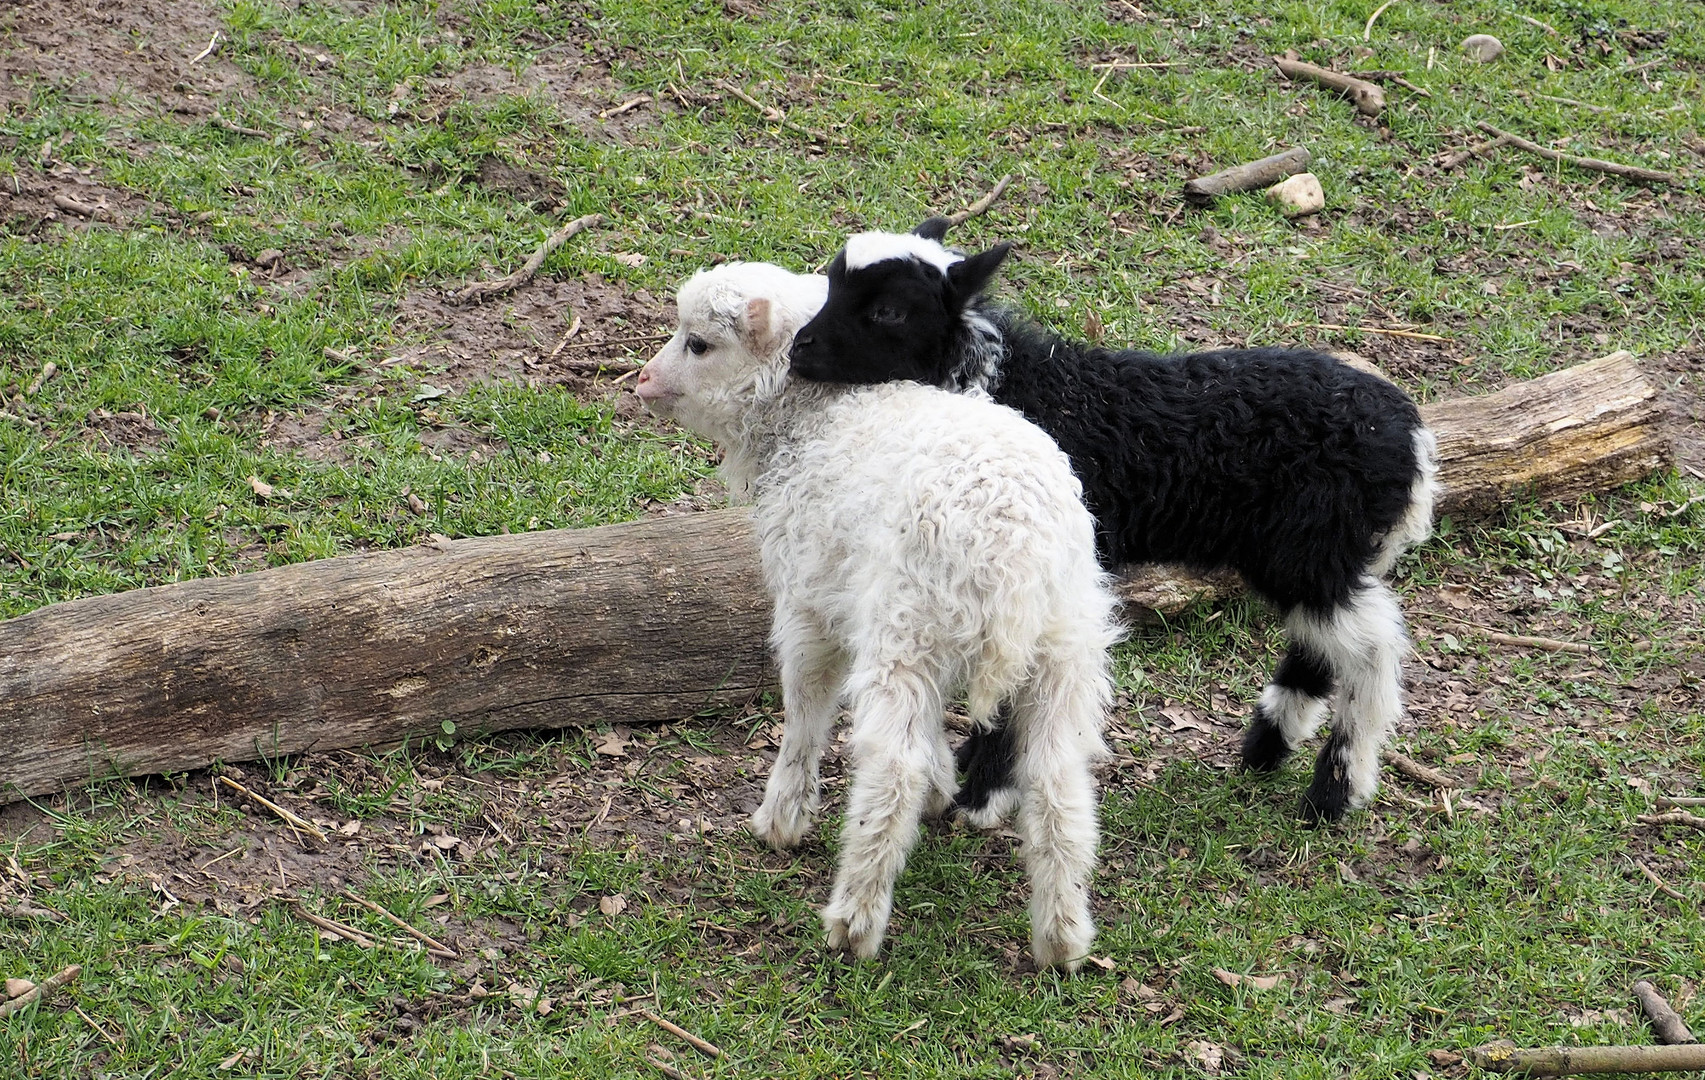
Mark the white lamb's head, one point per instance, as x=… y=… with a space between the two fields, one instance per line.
x=730 y=349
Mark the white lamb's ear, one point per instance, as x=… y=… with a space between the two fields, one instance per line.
x=758 y=330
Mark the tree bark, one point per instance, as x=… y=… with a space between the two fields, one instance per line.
x=1572 y=1060
x=1247 y=177
x=649 y=621
x=1667 y=1024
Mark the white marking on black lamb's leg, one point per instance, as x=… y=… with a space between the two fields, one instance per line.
x=988 y=795
x=1290 y=710
x=1364 y=642
x=811 y=673
x=1057 y=721
x=897 y=759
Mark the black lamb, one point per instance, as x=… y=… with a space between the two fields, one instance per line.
x=1306 y=475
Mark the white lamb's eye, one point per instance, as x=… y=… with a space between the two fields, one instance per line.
x=696 y=345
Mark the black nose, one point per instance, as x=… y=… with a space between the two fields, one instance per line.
x=801 y=343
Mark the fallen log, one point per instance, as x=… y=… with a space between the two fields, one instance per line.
x=1266 y=172
x=649 y=621
x=1368 y=99
x=1575 y=1060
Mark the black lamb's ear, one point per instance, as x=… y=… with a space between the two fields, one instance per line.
x=934 y=228
x=970 y=275
x=837 y=270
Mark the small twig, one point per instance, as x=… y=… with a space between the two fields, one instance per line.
x=1672 y=802
x=348 y=933
x=481 y=290
x=573 y=329
x=1666 y=1024
x=595 y=366
x=430 y=942
x=1267 y=171
x=1477 y=150
x=1632 y=172
x=981 y=205
x=1391 y=331
x=667 y=1069
x=1367 y=31
x=30 y=911
x=1393 y=77
x=1673 y=817
x=631 y=103
x=1413 y=769
x=212 y=43
x=1565 y=101
x=1368 y=98
x=48 y=371
x=289 y=818
x=82 y=209
x=1544 y=643
x=41 y=990
x=1535 y=22
x=777 y=116
x=220 y=122
x=618 y=341
x=680 y=1033
x=1665 y=888
x=99 y=1030
x=1124 y=65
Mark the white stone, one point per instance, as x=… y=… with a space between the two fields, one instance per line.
x=1299 y=195
x=1482 y=48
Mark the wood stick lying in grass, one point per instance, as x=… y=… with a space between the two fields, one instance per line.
x=1543 y=643
x=680 y=1033
x=667 y=1069
x=73 y=206
x=1451 y=161
x=1388 y=331
x=286 y=816
x=1571 y=1060
x=432 y=943
x=237 y=129
x=1368 y=98
x=41 y=990
x=777 y=116
x=1413 y=769
x=348 y=933
x=1663 y=887
x=481 y=290
x=1255 y=174
x=1666 y=1024
x=1387 y=76
x=981 y=205
x=1631 y=172
x=1673 y=817
x=1672 y=802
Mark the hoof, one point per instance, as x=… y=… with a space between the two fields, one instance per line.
x=1264 y=745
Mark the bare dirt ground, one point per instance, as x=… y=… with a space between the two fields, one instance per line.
x=644 y=789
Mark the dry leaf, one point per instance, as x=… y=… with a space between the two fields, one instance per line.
x=1173 y=1017
x=261 y=487
x=1456 y=596
x=18 y=987
x=1105 y=963
x=613 y=904
x=1339 y=1006
x=434 y=900
x=1019 y=1042
x=612 y=744
x=1210 y=1056
x=415 y=505
x=1444 y=1059
x=350 y=828
x=445 y=842
x=628 y=258
x=1230 y=978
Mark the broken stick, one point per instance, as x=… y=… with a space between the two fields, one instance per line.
x=1666 y=1024
x=1631 y=172
x=1256 y=174
x=1570 y=1060
x=41 y=990
x=481 y=290
x=293 y=820
x=1413 y=769
x=1451 y=161
x=1368 y=98
x=1673 y=817
x=981 y=205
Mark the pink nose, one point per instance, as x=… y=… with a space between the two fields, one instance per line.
x=643 y=385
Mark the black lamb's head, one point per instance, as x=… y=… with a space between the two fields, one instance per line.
x=896 y=309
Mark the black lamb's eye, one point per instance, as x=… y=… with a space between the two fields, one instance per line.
x=887 y=315
x=696 y=345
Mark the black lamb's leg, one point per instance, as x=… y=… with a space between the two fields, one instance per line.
x=1290 y=708
x=986 y=759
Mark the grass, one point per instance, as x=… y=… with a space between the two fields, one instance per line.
x=1404 y=934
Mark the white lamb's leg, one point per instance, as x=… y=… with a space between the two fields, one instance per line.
x=1057 y=724
x=899 y=764
x=812 y=669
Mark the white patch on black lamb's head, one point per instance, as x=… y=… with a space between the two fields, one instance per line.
x=902 y=306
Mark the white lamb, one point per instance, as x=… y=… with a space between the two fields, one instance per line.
x=915 y=542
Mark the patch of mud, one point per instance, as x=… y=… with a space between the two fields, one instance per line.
x=126 y=430
x=581 y=89
x=308 y=435
x=514 y=337
x=112 y=50
x=31 y=200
